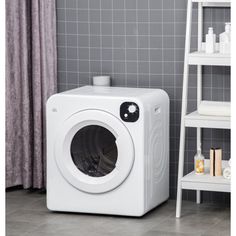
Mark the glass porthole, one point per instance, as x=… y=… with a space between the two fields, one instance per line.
x=94 y=151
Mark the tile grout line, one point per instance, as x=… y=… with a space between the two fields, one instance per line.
x=125 y=12
x=66 y=45
x=136 y=12
x=89 y=42
x=112 y=40
x=149 y=45
x=100 y=6
x=162 y=42
x=77 y=56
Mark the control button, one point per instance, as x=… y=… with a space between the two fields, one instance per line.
x=132 y=108
x=129 y=112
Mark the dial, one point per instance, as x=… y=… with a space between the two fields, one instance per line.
x=132 y=108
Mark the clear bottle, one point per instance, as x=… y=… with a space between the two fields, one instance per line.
x=199 y=163
x=210 y=41
x=225 y=39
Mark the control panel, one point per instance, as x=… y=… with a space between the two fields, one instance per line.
x=129 y=111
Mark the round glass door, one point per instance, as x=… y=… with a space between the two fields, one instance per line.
x=94 y=151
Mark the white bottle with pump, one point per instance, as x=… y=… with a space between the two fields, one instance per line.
x=225 y=40
x=210 y=41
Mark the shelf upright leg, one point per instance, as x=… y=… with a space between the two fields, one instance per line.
x=198 y=196
x=184 y=109
x=199 y=82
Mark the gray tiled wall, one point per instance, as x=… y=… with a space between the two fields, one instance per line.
x=140 y=43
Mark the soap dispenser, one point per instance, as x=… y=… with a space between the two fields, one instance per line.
x=210 y=41
x=225 y=40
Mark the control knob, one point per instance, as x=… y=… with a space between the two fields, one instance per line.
x=132 y=108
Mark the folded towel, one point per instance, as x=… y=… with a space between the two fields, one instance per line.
x=212 y=108
x=227 y=173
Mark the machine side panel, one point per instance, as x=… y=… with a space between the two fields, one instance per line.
x=157 y=151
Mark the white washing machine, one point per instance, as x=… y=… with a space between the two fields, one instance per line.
x=107 y=150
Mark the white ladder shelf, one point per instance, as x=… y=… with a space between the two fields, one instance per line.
x=199 y=58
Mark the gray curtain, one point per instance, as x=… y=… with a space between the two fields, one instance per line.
x=30 y=80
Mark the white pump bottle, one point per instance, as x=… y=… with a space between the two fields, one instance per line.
x=210 y=41
x=225 y=40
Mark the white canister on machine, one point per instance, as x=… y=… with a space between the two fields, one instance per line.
x=102 y=80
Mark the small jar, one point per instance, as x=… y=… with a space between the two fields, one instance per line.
x=102 y=80
x=199 y=163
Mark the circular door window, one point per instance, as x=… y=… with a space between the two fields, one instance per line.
x=94 y=151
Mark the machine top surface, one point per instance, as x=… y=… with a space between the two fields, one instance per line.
x=111 y=91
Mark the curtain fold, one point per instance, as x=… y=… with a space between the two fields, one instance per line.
x=30 y=79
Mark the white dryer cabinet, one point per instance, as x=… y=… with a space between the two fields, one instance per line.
x=107 y=150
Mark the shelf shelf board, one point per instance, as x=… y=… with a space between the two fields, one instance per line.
x=206 y=182
x=215 y=59
x=214 y=3
x=218 y=122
